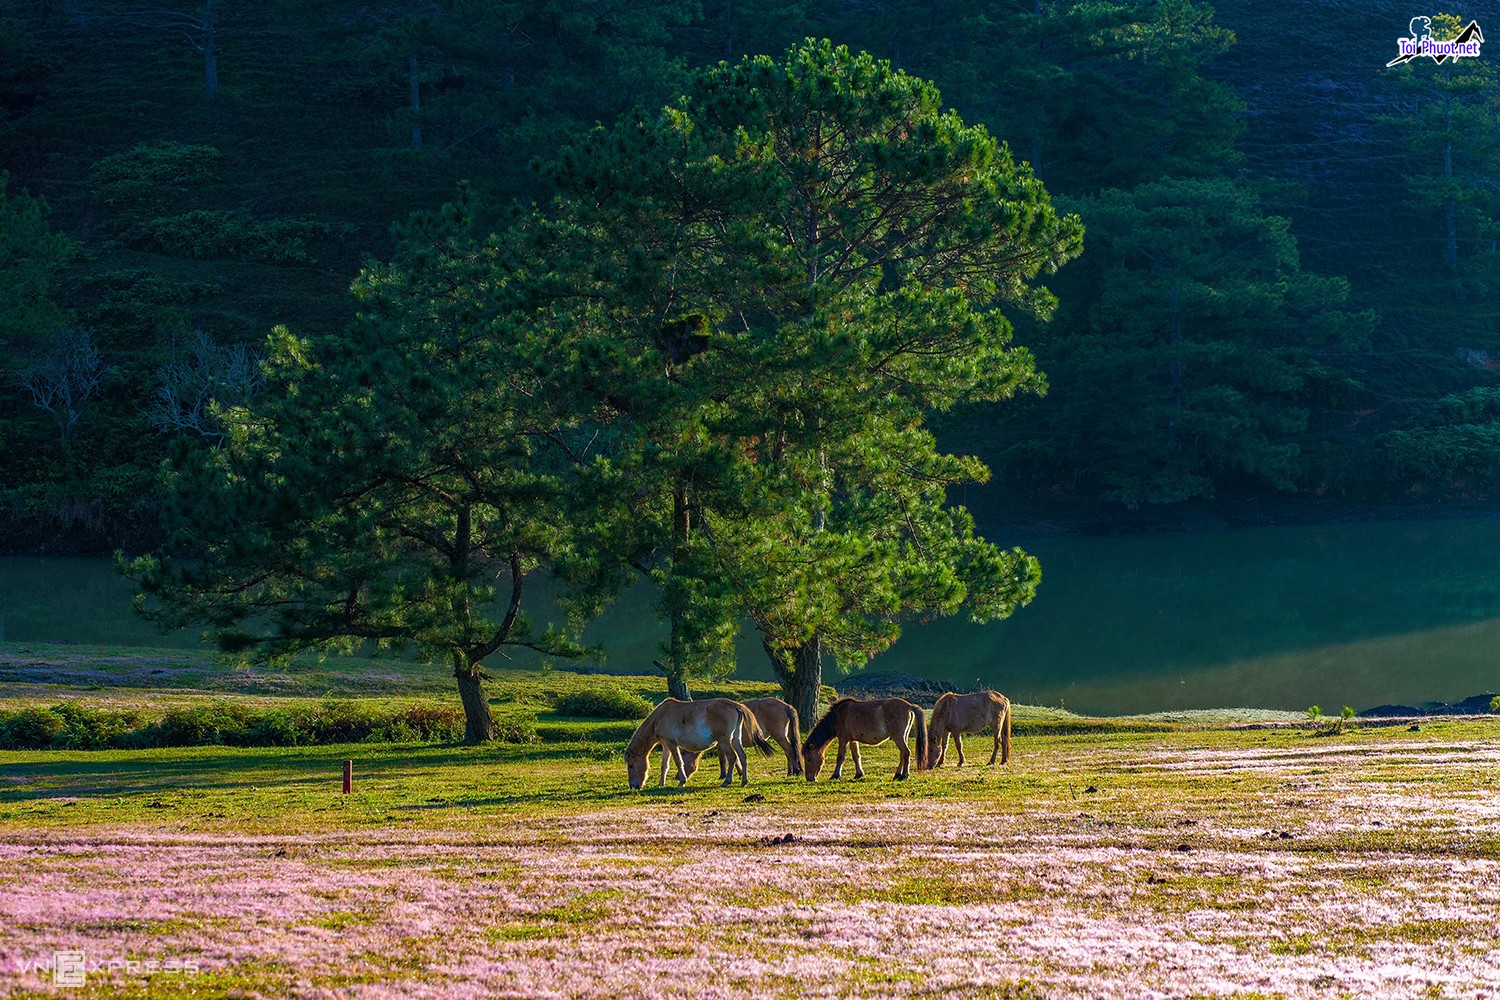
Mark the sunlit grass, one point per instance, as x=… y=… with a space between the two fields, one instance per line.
x=1109 y=858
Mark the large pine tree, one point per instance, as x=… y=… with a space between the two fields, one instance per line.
x=807 y=257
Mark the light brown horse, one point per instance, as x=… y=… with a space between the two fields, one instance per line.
x=694 y=726
x=852 y=722
x=778 y=720
x=970 y=713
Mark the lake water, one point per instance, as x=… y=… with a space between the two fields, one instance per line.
x=1355 y=614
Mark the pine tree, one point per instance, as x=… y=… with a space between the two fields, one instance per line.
x=390 y=489
x=811 y=254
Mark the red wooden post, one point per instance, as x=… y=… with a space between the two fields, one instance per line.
x=348 y=775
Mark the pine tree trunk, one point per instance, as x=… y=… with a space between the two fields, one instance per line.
x=676 y=667
x=799 y=670
x=210 y=51
x=414 y=83
x=478 y=726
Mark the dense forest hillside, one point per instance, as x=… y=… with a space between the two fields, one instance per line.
x=1288 y=285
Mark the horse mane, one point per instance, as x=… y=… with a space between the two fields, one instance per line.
x=942 y=706
x=643 y=733
x=827 y=728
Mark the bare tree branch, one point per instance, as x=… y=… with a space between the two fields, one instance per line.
x=62 y=379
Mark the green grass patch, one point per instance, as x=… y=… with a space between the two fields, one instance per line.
x=607 y=702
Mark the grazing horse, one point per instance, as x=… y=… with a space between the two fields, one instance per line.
x=970 y=713
x=852 y=722
x=776 y=719
x=694 y=726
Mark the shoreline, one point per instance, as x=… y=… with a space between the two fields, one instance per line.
x=36 y=672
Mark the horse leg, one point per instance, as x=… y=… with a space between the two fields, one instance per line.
x=682 y=773
x=726 y=763
x=903 y=767
x=958 y=744
x=666 y=756
x=859 y=765
x=786 y=748
x=996 y=752
x=739 y=754
x=838 y=765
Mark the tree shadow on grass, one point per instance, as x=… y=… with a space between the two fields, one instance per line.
x=613 y=793
x=117 y=773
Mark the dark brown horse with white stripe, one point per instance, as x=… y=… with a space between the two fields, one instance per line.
x=852 y=721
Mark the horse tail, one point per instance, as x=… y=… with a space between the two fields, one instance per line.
x=753 y=729
x=921 y=737
x=1005 y=732
x=796 y=735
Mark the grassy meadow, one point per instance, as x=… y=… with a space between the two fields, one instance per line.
x=1166 y=856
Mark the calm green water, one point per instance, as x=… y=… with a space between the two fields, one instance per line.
x=1359 y=614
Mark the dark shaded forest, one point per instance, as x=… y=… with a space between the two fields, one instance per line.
x=1287 y=290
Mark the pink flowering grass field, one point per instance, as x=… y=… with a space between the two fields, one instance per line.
x=1191 y=862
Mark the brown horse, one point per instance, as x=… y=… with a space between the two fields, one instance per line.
x=852 y=722
x=970 y=713
x=694 y=726
x=778 y=720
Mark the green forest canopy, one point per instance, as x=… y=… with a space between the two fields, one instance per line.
x=708 y=363
x=1289 y=284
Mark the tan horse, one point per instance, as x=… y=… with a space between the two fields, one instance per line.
x=694 y=726
x=778 y=720
x=970 y=713
x=852 y=722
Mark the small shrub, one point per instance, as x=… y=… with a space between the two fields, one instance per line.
x=418 y=724
x=509 y=731
x=215 y=235
x=30 y=729
x=276 y=728
x=337 y=722
x=603 y=703
x=433 y=723
x=150 y=176
x=1334 y=724
x=198 y=725
x=92 y=728
x=71 y=726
